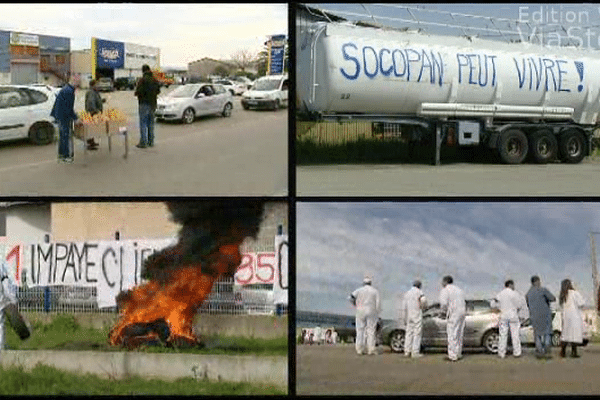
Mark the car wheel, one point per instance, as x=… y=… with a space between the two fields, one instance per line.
x=188 y=115
x=543 y=146
x=41 y=133
x=573 y=146
x=513 y=146
x=490 y=341
x=227 y=110
x=556 y=339
x=397 y=341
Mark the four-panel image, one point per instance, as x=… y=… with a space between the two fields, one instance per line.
x=299 y=199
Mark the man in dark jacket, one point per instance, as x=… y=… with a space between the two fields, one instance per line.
x=93 y=105
x=146 y=91
x=64 y=113
x=538 y=301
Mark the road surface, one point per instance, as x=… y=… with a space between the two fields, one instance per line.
x=456 y=179
x=243 y=155
x=329 y=370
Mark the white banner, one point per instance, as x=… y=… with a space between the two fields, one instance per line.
x=23 y=39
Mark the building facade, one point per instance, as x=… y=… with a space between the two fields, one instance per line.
x=27 y=58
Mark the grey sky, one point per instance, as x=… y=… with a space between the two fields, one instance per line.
x=577 y=24
x=183 y=32
x=480 y=244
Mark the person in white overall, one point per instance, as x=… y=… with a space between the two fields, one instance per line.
x=6 y=298
x=509 y=302
x=452 y=300
x=367 y=302
x=414 y=302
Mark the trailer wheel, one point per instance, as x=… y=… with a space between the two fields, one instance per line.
x=572 y=146
x=543 y=146
x=512 y=146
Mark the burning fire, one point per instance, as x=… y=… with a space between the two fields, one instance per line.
x=162 y=310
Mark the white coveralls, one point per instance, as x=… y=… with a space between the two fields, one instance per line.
x=452 y=299
x=572 y=318
x=509 y=302
x=413 y=301
x=367 y=313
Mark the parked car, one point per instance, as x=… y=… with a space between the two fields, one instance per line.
x=244 y=81
x=187 y=102
x=25 y=113
x=235 y=88
x=49 y=88
x=105 y=85
x=127 y=83
x=267 y=92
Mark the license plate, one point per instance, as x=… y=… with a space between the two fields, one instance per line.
x=252 y=102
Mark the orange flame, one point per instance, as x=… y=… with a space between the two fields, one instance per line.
x=175 y=299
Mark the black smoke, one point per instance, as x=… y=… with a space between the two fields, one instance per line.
x=206 y=225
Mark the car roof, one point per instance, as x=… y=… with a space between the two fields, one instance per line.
x=41 y=87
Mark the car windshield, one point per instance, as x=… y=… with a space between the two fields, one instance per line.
x=184 y=91
x=266 y=84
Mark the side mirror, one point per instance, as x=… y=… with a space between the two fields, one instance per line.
x=200 y=95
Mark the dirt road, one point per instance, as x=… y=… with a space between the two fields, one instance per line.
x=339 y=370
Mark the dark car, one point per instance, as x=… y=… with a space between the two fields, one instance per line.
x=125 y=83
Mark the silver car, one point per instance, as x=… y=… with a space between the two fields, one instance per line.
x=187 y=102
x=481 y=328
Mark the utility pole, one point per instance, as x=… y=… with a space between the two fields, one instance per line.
x=594 y=269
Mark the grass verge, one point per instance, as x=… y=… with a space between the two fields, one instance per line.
x=45 y=380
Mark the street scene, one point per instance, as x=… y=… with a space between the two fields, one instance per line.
x=446 y=297
x=397 y=99
x=191 y=292
x=98 y=110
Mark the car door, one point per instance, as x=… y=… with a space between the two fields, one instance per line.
x=434 y=327
x=212 y=100
x=13 y=113
x=221 y=97
x=200 y=101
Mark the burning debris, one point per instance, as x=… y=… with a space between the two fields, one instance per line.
x=181 y=277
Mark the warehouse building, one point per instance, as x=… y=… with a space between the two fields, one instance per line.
x=27 y=58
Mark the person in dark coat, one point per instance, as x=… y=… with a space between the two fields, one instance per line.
x=147 y=91
x=65 y=115
x=93 y=105
x=538 y=301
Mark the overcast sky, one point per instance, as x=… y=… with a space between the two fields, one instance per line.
x=479 y=244
x=578 y=24
x=183 y=32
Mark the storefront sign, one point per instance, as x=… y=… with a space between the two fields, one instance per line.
x=23 y=39
x=109 y=54
x=276 y=54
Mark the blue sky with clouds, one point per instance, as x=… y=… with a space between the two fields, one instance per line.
x=481 y=244
x=184 y=32
x=577 y=23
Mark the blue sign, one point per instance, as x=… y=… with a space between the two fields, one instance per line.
x=110 y=54
x=277 y=54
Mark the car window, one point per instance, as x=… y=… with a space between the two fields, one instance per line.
x=13 y=97
x=478 y=306
x=285 y=85
x=37 y=97
x=219 y=89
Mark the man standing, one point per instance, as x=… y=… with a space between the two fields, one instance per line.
x=508 y=301
x=538 y=302
x=64 y=114
x=366 y=300
x=146 y=91
x=414 y=302
x=452 y=299
x=93 y=105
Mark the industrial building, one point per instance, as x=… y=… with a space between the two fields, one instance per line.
x=27 y=58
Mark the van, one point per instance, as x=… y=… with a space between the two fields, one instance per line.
x=267 y=92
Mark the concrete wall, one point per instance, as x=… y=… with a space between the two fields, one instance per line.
x=257 y=326
x=27 y=222
x=267 y=370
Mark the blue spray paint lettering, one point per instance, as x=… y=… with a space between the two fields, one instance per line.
x=412 y=64
x=533 y=71
x=477 y=68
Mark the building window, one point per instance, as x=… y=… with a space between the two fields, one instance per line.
x=2 y=223
x=60 y=59
x=44 y=62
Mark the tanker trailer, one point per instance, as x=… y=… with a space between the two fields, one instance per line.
x=515 y=98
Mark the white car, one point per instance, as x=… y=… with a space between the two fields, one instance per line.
x=235 y=88
x=267 y=92
x=25 y=113
x=187 y=102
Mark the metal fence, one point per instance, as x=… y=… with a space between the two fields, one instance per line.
x=225 y=298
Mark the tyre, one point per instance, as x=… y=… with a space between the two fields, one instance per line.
x=543 y=146
x=397 y=341
x=573 y=146
x=41 y=133
x=188 y=116
x=513 y=146
x=490 y=342
x=227 y=110
x=555 y=339
x=276 y=105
